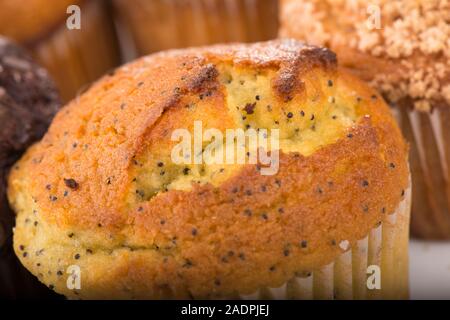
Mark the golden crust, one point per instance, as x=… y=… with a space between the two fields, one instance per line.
x=74 y=191
x=33 y=19
x=407 y=59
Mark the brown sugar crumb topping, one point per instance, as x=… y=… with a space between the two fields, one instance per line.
x=414 y=37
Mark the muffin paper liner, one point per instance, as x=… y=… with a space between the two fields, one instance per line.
x=164 y=24
x=77 y=57
x=429 y=136
x=386 y=247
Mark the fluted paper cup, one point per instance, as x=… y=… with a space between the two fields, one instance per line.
x=383 y=252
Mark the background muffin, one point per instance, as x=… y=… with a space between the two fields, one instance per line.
x=28 y=102
x=408 y=60
x=73 y=57
x=138 y=225
x=160 y=24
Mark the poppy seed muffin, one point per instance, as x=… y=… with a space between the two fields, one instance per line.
x=407 y=59
x=100 y=194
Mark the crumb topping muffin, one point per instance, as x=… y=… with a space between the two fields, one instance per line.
x=101 y=191
x=406 y=58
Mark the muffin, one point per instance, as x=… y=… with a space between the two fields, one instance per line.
x=158 y=25
x=407 y=60
x=28 y=102
x=73 y=57
x=104 y=197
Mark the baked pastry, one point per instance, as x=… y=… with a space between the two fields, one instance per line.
x=73 y=57
x=28 y=102
x=103 y=198
x=158 y=25
x=407 y=59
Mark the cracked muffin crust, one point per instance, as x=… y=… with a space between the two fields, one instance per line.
x=100 y=190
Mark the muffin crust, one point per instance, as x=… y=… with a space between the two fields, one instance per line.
x=100 y=192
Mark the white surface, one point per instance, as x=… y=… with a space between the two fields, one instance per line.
x=429 y=270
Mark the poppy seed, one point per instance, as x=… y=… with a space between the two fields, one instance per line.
x=71 y=183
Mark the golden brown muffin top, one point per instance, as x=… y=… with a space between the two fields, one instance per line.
x=26 y=21
x=102 y=178
x=407 y=58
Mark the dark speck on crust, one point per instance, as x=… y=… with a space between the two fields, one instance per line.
x=250 y=107
x=71 y=183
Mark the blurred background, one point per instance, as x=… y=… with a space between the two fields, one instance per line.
x=115 y=31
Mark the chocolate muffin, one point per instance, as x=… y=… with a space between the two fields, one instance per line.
x=28 y=102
